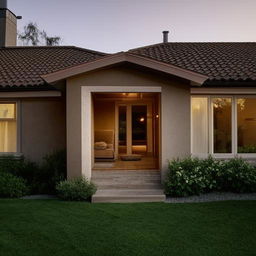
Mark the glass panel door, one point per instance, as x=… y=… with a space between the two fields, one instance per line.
x=139 y=129
x=122 y=129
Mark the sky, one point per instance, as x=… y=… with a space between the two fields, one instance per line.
x=119 y=25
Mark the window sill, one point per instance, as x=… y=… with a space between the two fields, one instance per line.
x=249 y=156
x=15 y=155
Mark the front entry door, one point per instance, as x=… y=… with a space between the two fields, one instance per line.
x=133 y=128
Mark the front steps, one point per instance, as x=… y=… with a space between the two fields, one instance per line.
x=127 y=186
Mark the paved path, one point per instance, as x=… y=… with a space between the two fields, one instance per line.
x=211 y=197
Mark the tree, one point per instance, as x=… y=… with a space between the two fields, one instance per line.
x=32 y=35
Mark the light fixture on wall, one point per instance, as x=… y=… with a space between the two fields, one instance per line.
x=157 y=116
x=142 y=119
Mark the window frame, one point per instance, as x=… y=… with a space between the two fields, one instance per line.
x=18 y=129
x=234 y=131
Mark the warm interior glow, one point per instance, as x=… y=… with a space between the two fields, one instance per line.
x=7 y=110
x=222 y=125
x=8 y=128
x=246 y=125
x=142 y=119
x=199 y=123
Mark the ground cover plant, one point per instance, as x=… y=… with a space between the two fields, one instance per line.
x=60 y=228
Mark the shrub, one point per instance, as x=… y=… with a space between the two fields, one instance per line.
x=190 y=176
x=12 y=186
x=77 y=189
x=237 y=175
x=41 y=179
x=52 y=170
x=193 y=176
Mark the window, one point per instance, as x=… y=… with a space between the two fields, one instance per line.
x=246 y=125
x=199 y=125
x=222 y=125
x=8 y=128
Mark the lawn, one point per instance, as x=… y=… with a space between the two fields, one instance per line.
x=51 y=227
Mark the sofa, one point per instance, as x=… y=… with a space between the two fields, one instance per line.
x=104 y=145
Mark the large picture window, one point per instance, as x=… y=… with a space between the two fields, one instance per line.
x=223 y=125
x=8 y=128
x=246 y=125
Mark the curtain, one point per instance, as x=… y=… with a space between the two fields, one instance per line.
x=8 y=136
x=199 y=125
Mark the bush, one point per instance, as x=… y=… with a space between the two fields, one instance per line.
x=78 y=189
x=12 y=186
x=237 y=175
x=193 y=176
x=52 y=170
x=190 y=176
x=41 y=179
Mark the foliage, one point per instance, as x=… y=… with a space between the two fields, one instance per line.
x=247 y=149
x=77 y=189
x=42 y=178
x=193 y=176
x=12 y=186
x=32 y=35
x=52 y=170
x=236 y=175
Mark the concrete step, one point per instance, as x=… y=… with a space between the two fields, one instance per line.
x=103 y=174
x=128 y=197
x=128 y=180
x=129 y=186
x=134 y=192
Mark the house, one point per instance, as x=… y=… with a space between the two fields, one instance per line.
x=131 y=110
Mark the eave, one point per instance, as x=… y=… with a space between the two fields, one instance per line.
x=122 y=58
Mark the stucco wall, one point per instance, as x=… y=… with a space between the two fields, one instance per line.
x=175 y=111
x=42 y=126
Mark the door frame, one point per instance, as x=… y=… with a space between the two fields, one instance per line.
x=87 y=132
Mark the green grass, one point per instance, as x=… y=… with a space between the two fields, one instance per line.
x=51 y=227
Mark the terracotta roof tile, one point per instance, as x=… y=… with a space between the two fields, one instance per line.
x=219 y=61
x=22 y=66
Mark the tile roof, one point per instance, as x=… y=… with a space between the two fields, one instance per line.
x=21 y=67
x=219 y=61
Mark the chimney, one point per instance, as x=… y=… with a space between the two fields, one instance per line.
x=8 y=26
x=165 y=36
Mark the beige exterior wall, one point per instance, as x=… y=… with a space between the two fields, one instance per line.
x=42 y=126
x=175 y=107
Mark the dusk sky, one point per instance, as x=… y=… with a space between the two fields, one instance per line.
x=119 y=25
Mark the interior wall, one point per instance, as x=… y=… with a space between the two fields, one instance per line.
x=104 y=115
